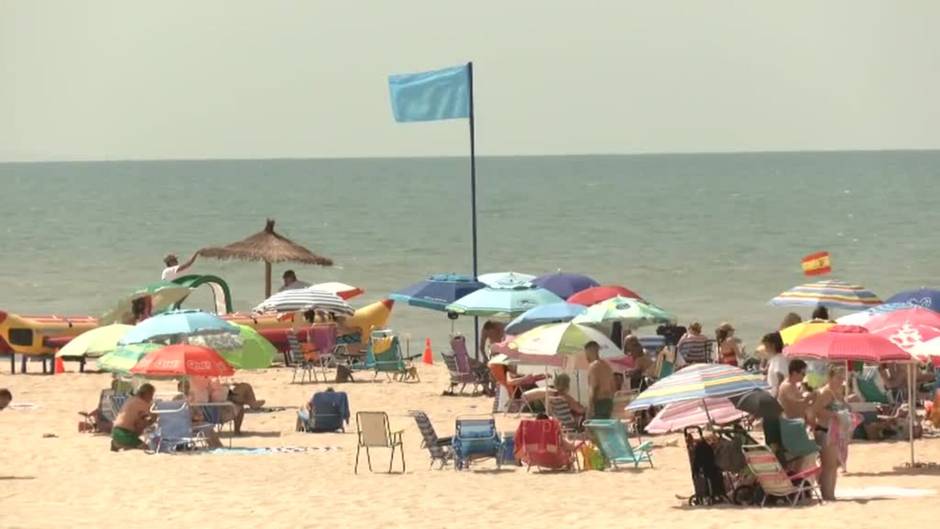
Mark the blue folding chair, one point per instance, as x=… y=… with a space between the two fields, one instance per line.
x=476 y=439
x=175 y=430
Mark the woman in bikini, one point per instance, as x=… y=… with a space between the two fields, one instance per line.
x=829 y=402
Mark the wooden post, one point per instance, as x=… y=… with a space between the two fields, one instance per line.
x=267 y=280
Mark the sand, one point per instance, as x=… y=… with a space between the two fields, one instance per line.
x=70 y=479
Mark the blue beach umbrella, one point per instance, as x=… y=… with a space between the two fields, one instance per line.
x=175 y=324
x=544 y=314
x=502 y=302
x=437 y=291
x=928 y=298
x=564 y=285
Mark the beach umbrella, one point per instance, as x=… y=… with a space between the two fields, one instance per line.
x=804 y=329
x=502 y=302
x=759 y=403
x=677 y=416
x=437 y=291
x=183 y=360
x=255 y=352
x=505 y=279
x=177 y=324
x=270 y=247
x=847 y=343
x=928 y=298
x=122 y=359
x=94 y=343
x=697 y=382
x=304 y=299
x=829 y=293
x=861 y=317
x=595 y=295
x=560 y=345
x=161 y=295
x=544 y=314
x=340 y=289
x=632 y=312
x=906 y=328
x=564 y=285
x=928 y=351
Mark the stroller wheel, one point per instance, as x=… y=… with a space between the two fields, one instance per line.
x=743 y=495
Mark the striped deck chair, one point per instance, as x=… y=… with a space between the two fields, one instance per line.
x=695 y=351
x=298 y=359
x=458 y=365
x=611 y=437
x=557 y=408
x=441 y=449
x=775 y=482
x=388 y=358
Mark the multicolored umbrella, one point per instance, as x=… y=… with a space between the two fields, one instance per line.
x=177 y=324
x=505 y=279
x=94 y=343
x=564 y=285
x=502 y=302
x=181 y=360
x=122 y=359
x=632 y=312
x=929 y=298
x=862 y=317
x=162 y=295
x=907 y=328
x=560 y=345
x=830 y=293
x=544 y=314
x=595 y=295
x=847 y=343
x=304 y=299
x=340 y=289
x=697 y=382
x=674 y=417
x=438 y=291
x=804 y=329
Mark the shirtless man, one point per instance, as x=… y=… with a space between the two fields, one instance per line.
x=132 y=420
x=790 y=394
x=601 y=381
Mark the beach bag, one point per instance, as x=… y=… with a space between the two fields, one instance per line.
x=591 y=457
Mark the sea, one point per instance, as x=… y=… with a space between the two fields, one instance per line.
x=710 y=237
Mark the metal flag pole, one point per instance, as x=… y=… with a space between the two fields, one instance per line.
x=473 y=203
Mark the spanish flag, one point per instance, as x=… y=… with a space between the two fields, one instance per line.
x=817 y=264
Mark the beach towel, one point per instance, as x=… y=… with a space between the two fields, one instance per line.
x=274 y=450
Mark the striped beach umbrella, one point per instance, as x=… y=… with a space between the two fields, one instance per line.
x=697 y=382
x=304 y=299
x=830 y=293
x=632 y=312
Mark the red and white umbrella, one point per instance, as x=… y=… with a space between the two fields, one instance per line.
x=340 y=289
x=928 y=351
x=907 y=328
x=848 y=343
x=182 y=360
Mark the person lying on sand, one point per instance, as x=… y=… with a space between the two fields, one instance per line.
x=132 y=420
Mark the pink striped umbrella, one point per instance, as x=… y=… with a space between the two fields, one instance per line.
x=679 y=415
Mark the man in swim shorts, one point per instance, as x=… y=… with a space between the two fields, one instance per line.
x=132 y=420
x=601 y=381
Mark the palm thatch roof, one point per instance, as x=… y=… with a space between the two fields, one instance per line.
x=268 y=246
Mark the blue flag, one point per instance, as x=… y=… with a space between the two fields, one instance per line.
x=430 y=96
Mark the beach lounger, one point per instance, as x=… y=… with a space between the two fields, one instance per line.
x=557 y=408
x=175 y=430
x=298 y=360
x=375 y=431
x=475 y=439
x=775 y=482
x=795 y=439
x=441 y=449
x=540 y=443
x=611 y=437
x=695 y=351
x=331 y=412
x=328 y=352
x=390 y=359
x=458 y=366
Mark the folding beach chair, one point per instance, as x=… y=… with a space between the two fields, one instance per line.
x=458 y=366
x=213 y=413
x=514 y=404
x=175 y=430
x=775 y=482
x=540 y=443
x=375 y=431
x=795 y=439
x=611 y=437
x=331 y=412
x=476 y=439
x=557 y=408
x=298 y=359
x=695 y=351
x=441 y=449
x=328 y=352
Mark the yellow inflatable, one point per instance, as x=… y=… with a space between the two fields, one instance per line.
x=30 y=335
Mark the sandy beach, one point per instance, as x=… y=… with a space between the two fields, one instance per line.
x=52 y=476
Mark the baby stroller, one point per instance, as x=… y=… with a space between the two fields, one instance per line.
x=719 y=470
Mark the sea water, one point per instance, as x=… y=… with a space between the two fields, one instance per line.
x=710 y=237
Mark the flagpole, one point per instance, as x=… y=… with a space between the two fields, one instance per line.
x=473 y=202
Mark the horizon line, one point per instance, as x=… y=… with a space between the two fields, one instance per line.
x=455 y=156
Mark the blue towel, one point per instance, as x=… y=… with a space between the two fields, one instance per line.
x=331 y=410
x=430 y=96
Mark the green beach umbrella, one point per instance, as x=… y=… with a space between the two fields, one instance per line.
x=94 y=343
x=162 y=294
x=632 y=312
x=256 y=352
x=122 y=359
x=504 y=302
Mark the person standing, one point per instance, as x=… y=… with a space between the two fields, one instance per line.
x=829 y=432
x=173 y=267
x=291 y=282
x=777 y=368
x=601 y=382
x=728 y=349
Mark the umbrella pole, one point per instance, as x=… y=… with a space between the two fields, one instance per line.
x=267 y=279
x=912 y=407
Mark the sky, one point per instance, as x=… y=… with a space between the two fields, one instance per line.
x=184 y=79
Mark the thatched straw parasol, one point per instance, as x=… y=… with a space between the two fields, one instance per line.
x=268 y=246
